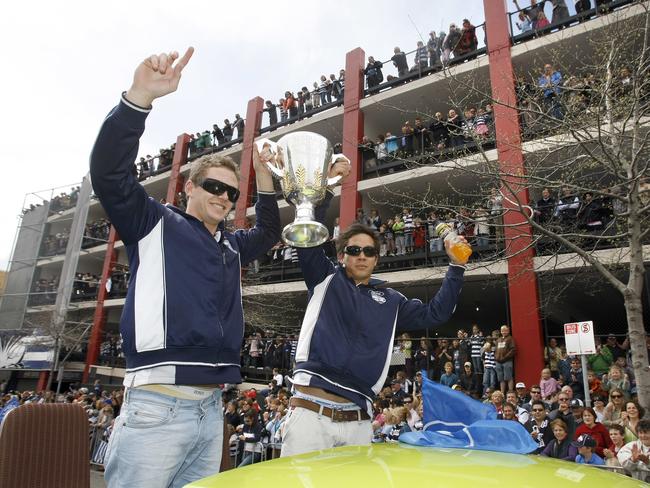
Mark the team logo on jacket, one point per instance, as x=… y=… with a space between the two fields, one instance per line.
x=378 y=296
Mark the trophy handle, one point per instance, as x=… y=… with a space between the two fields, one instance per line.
x=333 y=181
x=274 y=150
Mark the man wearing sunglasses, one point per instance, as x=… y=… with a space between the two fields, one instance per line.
x=346 y=339
x=182 y=322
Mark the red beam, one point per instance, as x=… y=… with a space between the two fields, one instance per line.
x=352 y=134
x=522 y=280
x=247 y=178
x=176 y=179
x=99 y=319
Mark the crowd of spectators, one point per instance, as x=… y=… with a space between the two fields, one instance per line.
x=533 y=18
x=429 y=56
x=299 y=104
x=84 y=287
x=59 y=203
x=553 y=410
x=439 y=138
x=95 y=233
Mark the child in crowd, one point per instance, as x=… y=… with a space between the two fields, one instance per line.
x=598 y=403
x=595 y=385
x=616 y=433
x=382 y=240
x=449 y=378
x=616 y=379
x=489 y=371
x=524 y=24
x=586 y=455
x=542 y=21
x=548 y=384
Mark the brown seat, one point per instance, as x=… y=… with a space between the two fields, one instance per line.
x=45 y=446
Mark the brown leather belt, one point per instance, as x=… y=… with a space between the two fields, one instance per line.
x=334 y=414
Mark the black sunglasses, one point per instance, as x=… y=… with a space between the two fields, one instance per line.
x=217 y=187
x=369 y=251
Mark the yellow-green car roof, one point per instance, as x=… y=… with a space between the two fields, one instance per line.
x=403 y=466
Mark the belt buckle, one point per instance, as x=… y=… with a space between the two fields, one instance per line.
x=338 y=415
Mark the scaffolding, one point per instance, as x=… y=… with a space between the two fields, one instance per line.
x=28 y=240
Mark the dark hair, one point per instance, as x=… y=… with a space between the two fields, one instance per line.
x=617 y=427
x=538 y=402
x=353 y=230
x=592 y=412
x=251 y=415
x=643 y=426
x=638 y=407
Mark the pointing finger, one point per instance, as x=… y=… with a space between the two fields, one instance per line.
x=182 y=62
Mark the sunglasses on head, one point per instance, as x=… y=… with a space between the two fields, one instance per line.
x=217 y=187
x=369 y=251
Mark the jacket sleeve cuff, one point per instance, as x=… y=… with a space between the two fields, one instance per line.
x=132 y=105
x=130 y=115
x=266 y=196
x=456 y=269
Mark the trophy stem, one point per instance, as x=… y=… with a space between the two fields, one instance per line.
x=304 y=212
x=305 y=231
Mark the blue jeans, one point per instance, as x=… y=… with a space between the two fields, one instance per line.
x=477 y=364
x=436 y=244
x=489 y=378
x=250 y=458
x=162 y=441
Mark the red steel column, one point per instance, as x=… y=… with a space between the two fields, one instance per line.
x=99 y=320
x=176 y=179
x=352 y=134
x=522 y=280
x=247 y=178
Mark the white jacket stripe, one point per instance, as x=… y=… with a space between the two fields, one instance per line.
x=149 y=303
x=311 y=317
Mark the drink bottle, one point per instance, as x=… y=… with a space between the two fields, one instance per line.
x=461 y=251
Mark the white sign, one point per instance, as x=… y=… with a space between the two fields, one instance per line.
x=579 y=338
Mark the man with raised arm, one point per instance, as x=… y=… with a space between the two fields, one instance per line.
x=182 y=322
x=346 y=339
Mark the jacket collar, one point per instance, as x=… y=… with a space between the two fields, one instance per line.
x=373 y=283
x=219 y=235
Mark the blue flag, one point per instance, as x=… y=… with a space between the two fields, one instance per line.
x=453 y=419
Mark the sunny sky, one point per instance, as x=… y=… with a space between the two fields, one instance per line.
x=66 y=63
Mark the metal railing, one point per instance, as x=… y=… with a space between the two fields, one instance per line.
x=567 y=22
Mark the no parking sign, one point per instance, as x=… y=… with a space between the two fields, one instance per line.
x=579 y=338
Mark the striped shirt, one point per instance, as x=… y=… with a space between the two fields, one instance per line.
x=488 y=360
x=476 y=342
x=408 y=223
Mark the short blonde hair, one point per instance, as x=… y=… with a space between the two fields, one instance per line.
x=201 y=166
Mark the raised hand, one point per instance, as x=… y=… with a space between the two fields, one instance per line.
x=341 y=167
x=157 y=76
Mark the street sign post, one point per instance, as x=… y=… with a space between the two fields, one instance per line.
x=579 y=340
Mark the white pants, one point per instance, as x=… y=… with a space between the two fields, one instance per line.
x=306 y=431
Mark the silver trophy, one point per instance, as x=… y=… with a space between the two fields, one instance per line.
x=301 y=163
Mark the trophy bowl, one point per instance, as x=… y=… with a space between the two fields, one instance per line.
x=301 y=163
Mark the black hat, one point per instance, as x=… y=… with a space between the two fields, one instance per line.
x=585 y=440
